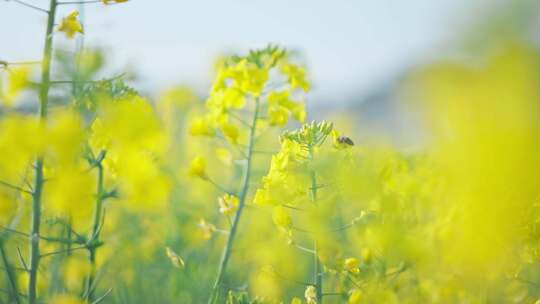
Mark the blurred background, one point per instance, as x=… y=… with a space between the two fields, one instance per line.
x=357 y=52
x=350 y=47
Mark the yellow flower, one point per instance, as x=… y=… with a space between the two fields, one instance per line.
x=18 y=80
x=230 y=131
x=281 y=218
x=311 y=294
x=351 y=265
x=281 y=106
x=279 y=116
x=207 y=229
x=367 y=255
x=296 y=76
x=70 y=25
x=355 y=296
x=176 y=260
x=248 y=77
x=141 y=183
x=197 y=167
x=228 y=204
x=263 y=197
x=201 y=127
x=128 y=124
x=70 y=192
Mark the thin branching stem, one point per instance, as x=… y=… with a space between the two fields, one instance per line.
x=218 y=186
x=37 y=8
x=38 y=175
x=282 y=277
x=302 y=248
x=8 y=185
x=102 y=298
x=318 y=275
x=96 y=227
x=21 y=260
x=214 y=296
x=48 y=254
x=44 y=238
x=9 y=275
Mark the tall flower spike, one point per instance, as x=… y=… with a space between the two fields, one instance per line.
x=70 y=25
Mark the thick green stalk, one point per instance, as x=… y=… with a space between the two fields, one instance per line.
x=318 y=276
x=94 y=237
x=38 y=175
x=10 y=275
x=242 y=199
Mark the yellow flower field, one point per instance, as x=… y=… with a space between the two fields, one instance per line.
x=241 y=196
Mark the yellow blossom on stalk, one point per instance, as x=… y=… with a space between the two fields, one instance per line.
x=281 y=218
x=310 y=294
x=18 y=79
x=281 y=106
x=176 y=260
x=207 y=229
x=263 y=197
x=65 y=136
x=230 y=131
x=226 y=99
x=248 y=77
x=70 y=192
x=197 y=168
x=141 y=183
x=202 y=127
x=367 y=255
x=278 y=116
x=351 y=265
x=131 y=133
x=228 y=204
x=28 y=135
x=355 y=297
x=296 y=76
x=71 y=25
x=128 y=124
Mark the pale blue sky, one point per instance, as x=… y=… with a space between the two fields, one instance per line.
x=347 y=45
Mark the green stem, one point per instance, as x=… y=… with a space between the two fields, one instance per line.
x=38 y=178
x=94 y=237
x=242 y=199
x=9 y=274
x=318 y=275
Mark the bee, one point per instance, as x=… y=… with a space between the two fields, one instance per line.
x=344 y=140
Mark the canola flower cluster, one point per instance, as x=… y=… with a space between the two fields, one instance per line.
x=243 y=79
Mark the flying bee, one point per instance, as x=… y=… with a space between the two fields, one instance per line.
x=344 y=140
